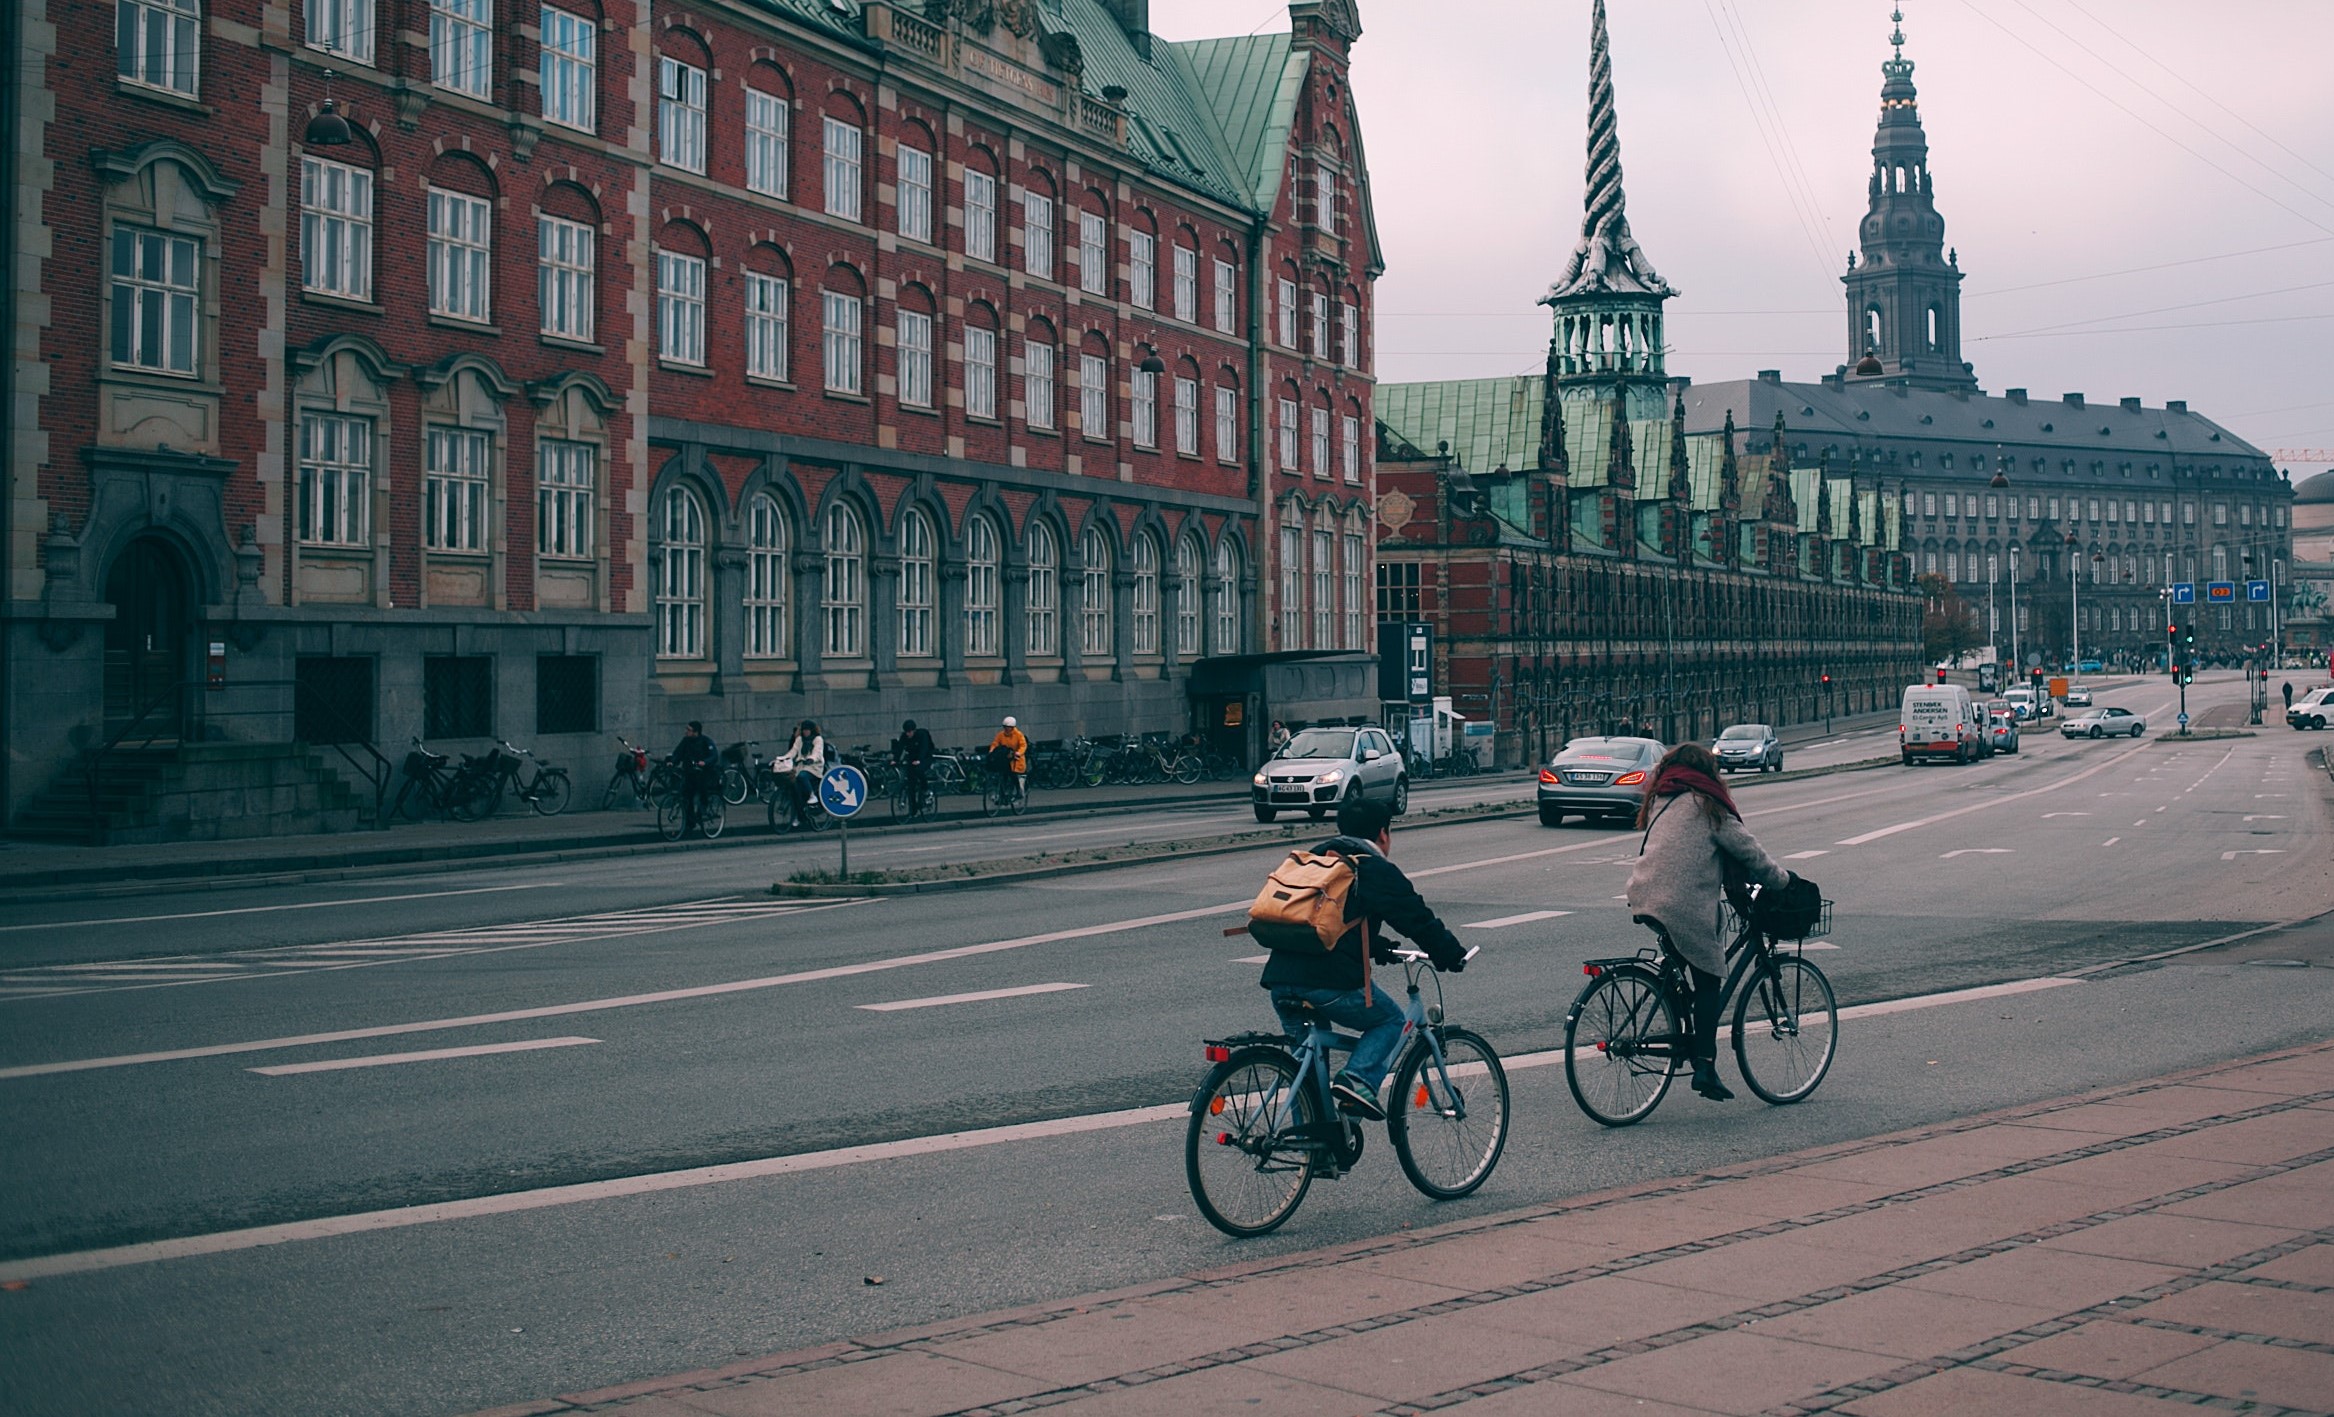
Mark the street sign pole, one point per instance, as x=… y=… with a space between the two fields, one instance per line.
x=843 y=791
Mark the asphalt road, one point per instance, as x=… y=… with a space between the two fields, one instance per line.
x=651 y=1018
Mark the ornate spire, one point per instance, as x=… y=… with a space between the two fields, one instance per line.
x=1608 y=259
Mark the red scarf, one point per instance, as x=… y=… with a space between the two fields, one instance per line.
x=1677 y=781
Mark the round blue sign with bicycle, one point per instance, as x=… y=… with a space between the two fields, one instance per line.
x=843 y=791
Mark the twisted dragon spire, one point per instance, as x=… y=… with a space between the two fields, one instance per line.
x=1608 y=258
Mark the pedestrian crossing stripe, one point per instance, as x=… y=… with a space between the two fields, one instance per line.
x=55 y=980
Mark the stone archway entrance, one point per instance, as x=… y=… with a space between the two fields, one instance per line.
x=149 y=642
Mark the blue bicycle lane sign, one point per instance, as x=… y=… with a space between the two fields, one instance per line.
x=843 y=791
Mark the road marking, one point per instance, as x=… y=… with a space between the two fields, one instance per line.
x=2252 y=851
x=1807 y=855
x=1506 y=920
x=266 y=909
x=1976 y=851
x=1888 y=831
x=2266 y=817
x=939 y=1000
x=384 y=1060
x=2111 y=841
x=518 y=1202
x=2048 y=815
x=1252 y=959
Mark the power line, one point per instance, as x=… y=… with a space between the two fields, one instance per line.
x=1759 y=120
x=2144 y=270
x=1806 y=185
x=2145 y=329
x=2169 y=309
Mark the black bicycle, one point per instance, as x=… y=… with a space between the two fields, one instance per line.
x=1627 y=1033
x=528 y=778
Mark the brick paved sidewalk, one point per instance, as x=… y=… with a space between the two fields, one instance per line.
x=2145 y=1250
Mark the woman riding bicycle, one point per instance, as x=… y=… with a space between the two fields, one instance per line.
x=804 y=762
x=1695 y=849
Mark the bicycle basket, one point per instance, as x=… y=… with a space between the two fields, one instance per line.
x=1795 y=911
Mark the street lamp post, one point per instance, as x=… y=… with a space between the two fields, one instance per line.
x=2017 y=661
x=2074 y=607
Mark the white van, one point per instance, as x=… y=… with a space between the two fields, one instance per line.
x=1938 y=721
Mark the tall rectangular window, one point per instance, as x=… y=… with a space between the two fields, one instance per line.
x=980 y=372
x=1146 y=408
x=1325 y=197
x=462 y=45
x=980 y=215
x=1227 y=297
x=840 y=341
x=766 y=326
x=915 y=358
x=1093 y=254
x=1350 y=448
x=842 y=169
x=1037 y=234
x=1292 y=587
x=680 y=113
x=1187 y=416
x=1094 y=396
x=1324 y=590
x=1288 y=435
x=1187 y=284
x=455 y=472
x=156 y=299
x=1038 y=395
x=563 y=277
x=680 y=307
x=767 y=122
x=1142 y=269
x=568 y=69
x=157 y=42
x=1227 y=424
x=1320 y=441
x=336 y=229
x=1349 y=334
x=1288 y=314
x=460 y=244
x=915 y=193
x=1349 y=595
x=566 y=479
x=1320 y=325
x=342 y=27
x=336 y=480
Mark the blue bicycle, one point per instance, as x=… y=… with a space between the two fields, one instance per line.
x=1264 y=1124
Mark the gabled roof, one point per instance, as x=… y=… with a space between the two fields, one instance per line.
x=1250 y=83
x=1172 y=127
x=1490 y=424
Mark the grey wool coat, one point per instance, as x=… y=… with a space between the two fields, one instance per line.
x=1691 y=851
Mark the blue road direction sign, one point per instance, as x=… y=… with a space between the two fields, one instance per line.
x=843 y=791
x=2183 y=592
x=2257 y=590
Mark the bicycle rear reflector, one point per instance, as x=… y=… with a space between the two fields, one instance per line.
x=1420 y=1101
x=1592 y=970
x=1218 y=1053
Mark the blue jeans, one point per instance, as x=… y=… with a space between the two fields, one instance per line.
x=1376 y=1016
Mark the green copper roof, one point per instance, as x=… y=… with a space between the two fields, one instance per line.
x=1251 y=83
x=1171 y=123
x=1489 y=423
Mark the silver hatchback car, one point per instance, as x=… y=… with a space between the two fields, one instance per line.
x=1320 y=767
x=1749 y=745
x=1597 y=778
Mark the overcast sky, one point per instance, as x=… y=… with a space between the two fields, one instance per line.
x=2142 y=191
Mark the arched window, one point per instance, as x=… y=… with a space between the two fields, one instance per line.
x=844 y=597
x=1045 y=592
x=1228 y=635
x=1352 y=556
x=767 y=579
x=981 y=603
x=1324 y=581
x=1190 y=566
x=1094 y=638
x=916 y=595
x=1146 y=607
x=1872 y=329
x=1936 y=331
x=680 y=589
x=1292 y=577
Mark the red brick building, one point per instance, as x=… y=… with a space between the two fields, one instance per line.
x=618 y=366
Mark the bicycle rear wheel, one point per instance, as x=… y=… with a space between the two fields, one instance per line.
x=712 y=815
x=1619 y=1042
x=1244 y=1154
x=1786 y=1029
x=551 y=793
x=734 y=787
x=1448 y=1120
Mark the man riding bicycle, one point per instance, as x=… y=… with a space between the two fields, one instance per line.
x=1334 y=986
x=695 y=758
x=913 y=751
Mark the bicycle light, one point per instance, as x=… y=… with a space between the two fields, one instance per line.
x=1218 y=1053
x=1592 y=970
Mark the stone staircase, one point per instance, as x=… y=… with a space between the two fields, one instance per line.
x=196 y=792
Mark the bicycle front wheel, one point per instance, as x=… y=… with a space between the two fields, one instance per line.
x=551 y=793
x=1448 y=1120
x=671 y=820
x=1619 y=1042
x=619 y=780
x=733 y=786
x=1245 y=1154
x=1786 y=1029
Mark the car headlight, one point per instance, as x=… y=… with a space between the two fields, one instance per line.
x=1260 y=781
x=1333 y=775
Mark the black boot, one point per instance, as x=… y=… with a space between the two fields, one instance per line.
x=1706 y=1081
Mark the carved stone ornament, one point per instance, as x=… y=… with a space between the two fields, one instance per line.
x=1396 y=509
x=1019 y=16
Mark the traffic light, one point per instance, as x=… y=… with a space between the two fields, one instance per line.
x=1940 y=674
x=1827 y=680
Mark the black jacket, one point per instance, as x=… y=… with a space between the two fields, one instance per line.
x=914 y=747
x=695 y=751
x=1385 y=898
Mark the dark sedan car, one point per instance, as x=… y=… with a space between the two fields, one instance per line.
x=1597 y=778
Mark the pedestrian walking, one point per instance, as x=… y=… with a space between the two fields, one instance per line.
x=2288 y=686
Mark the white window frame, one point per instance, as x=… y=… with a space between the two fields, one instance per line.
x=984 y=602
x=914 y=193
x=1037 y=234
x=158 y=44
x=462 y=46
x=1040 y=397
x=461 y=255
x=457 y=481
x=1190 y=566
x=680 y=586
x=1186 y=284
x=841 y=167
x=914 y=349
x=1324 y=541
x=1288 y=314
x=1145 y=408
x=336 y=481
x=565 y=294
x=1349 y=450
x=1097 y=640
x=1187 y=416
x=1227 y=571
x=1321 y=324
x=1318 y=417
x=918 y=596
x=342 y=27
x=1227 y=296
x=1094 y=397
x=566 y=493
x=843 y=591
x=680 y=308
x=1292 y=579
x=1227 y=423
x=156 y=294
x=1288 y=436
x=841 y=342
x=1349 y=337
x=769 y=123
x=680 y=113
x=769 y=579
x=1142 y=269
x=768 y=326
x=1093 y=253
x=1325 y=197
x=980 y=215
x=567 y=69
x=980 y=372
x=1042 y=611
x=1145 y=594
x=1351 y=558
x=336 y=229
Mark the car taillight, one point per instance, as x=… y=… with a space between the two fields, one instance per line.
x=1218 y=1053
x=1629 y=779
x=1547 y=774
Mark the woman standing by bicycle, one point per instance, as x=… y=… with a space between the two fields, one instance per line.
x=1695 y=846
